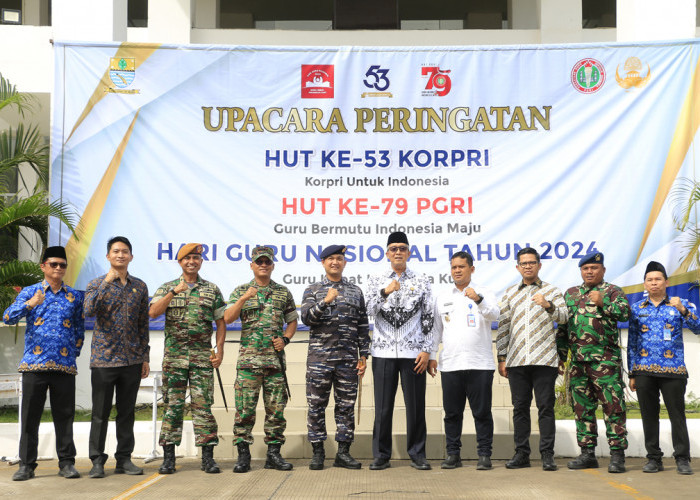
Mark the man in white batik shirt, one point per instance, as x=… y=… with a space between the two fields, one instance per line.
x=401 y=303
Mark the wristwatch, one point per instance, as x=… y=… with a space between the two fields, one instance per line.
x=172 y=290
x=481 y=297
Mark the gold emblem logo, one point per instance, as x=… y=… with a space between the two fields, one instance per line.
x=66 y=323
x=632 y=72
x=668 y=354
x=37 y=350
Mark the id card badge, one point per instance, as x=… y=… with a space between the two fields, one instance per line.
x=667 y=334
x=471 y=319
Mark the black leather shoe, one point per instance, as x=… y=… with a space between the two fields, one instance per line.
x=617 y=462
x=586 y=460
x=275 y=460
x=97 y=471
x=69 y=472
x=380 y=464
x=653 y=465
x=484 y=463
x=128 y=467
x=23 y=473
x=683 y=467
x=243 y=464
x=420 y=463
x=519 y=461
x=548 y=461
x=451 y=462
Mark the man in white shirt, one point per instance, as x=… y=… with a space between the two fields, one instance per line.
x=401 y=303
x=463 y=317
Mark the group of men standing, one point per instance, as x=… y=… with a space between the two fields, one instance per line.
x=538 y=327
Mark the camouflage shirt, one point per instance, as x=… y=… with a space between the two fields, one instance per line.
x=262 y=318
x=188 y=322
x=338 y=329
x=591 y=332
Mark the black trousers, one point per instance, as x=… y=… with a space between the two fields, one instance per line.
x=673 y=391
x=61 y=388
x=523 y=381
x=476 y=387
x=125 y=381
x=386 y=376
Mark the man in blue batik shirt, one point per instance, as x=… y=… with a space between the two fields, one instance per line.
x=53 y=339
x=655 y=363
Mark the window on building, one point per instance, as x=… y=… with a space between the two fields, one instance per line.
x=599 y=13
x=137 y=14
x=363 y=14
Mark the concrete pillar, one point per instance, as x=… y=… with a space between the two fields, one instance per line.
x=560 y=21
x=639 y=20
x=170 y=21
x=96 y=20
x=523 y=15
x=35 y=12
x=207 y=14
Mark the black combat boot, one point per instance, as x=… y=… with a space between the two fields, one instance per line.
x=343 y=457
x=168 y=466
x=208 y=464
x=617 y=461
x=318 y=457
x=243 y=464
x=275 y=460
x=586 y=460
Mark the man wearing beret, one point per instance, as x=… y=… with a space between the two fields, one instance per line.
x=190 y=305
x=52 y=341
x=335 y=311
x=120 y=355
x=401 y=303
x=656 y=365
x=592 y=336
x=264 y=307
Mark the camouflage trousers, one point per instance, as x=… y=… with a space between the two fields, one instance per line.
x=248 y=384
x=594 y=383
x=320 y=378
x=201 y=382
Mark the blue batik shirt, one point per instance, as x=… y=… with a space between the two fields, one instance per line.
x=655 y=339
x=55 y=329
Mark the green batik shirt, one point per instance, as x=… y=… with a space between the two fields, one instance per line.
x=262 y=318
x=591 y=332
x=188 y=322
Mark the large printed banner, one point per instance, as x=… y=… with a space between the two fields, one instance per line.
x=565 y=148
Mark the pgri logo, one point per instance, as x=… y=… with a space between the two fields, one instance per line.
x=438 y=83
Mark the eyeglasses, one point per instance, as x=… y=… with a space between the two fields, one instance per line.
x=263 y=262
x=397 y=249
x=531 y=263
x=54 y=265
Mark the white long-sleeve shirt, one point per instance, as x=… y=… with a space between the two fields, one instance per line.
x=464 y=329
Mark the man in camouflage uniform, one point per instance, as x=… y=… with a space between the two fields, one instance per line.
x=190 y=304
x=264 y=307
x=334 y=309
x=591 y=334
